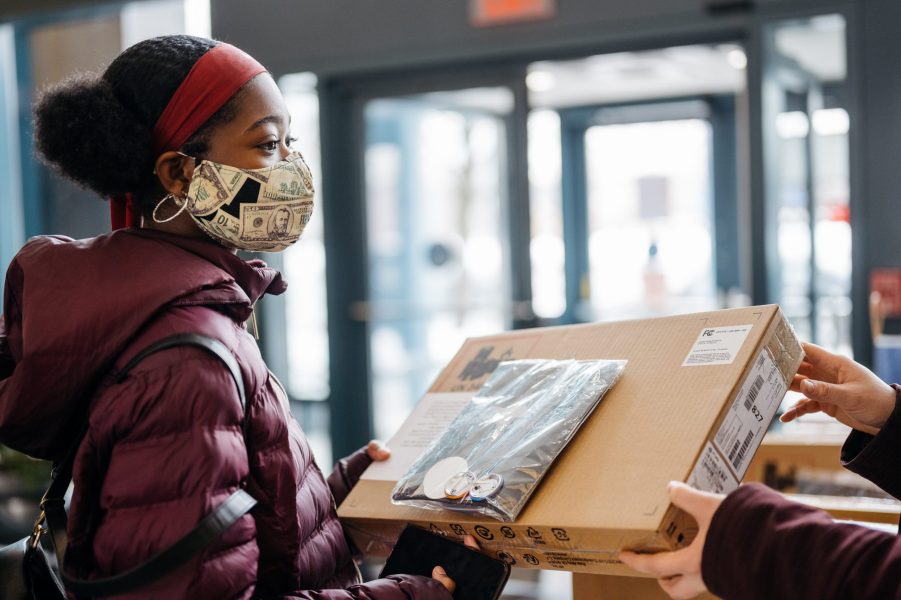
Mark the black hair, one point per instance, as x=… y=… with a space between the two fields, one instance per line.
x=97 y=129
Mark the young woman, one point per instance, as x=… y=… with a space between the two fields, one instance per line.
x=189 y=137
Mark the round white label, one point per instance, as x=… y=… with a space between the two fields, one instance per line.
x=433 y=484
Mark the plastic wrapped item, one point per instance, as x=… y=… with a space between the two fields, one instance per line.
x=494 y=454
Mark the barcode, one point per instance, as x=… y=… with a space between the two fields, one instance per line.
x=744 y=449
x=752 y=394
x=734 y=450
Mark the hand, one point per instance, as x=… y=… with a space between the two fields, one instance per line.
x=440 y=574
x=679 y=572
x=841 y=388
x=377 y=451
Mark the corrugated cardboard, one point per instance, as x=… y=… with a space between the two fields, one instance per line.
x=692 y=405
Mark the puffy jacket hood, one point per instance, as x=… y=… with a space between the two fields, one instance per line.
x=70 y=307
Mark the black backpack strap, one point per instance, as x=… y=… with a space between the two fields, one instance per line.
x=173 y=557
x=223 y=517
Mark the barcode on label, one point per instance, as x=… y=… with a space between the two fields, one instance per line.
x=752 y=393
x=741 y=451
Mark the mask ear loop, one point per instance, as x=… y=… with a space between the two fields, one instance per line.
x=181 y=209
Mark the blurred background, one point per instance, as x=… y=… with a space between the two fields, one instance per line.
x=495 y=164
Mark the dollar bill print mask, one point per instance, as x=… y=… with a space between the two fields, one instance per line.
x=262 y=210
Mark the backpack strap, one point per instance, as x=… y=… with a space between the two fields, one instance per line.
x=192 y=543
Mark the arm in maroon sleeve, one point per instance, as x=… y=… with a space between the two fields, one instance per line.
x=347 y=473
x=761 y=545
x=878 y=458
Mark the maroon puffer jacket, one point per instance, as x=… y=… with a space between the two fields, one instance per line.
x=165 y=446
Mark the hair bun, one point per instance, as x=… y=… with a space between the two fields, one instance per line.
x=82 y=129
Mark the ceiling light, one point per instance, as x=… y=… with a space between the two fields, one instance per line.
x=737 y=58
x=831 y=121
x=792 y=125
x=540 y=81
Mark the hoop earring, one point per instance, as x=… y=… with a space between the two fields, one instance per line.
x=184 y=204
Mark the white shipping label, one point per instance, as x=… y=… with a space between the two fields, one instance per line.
x=717 y=345
x=425 y=424
x=750 y=415
x=711 y=474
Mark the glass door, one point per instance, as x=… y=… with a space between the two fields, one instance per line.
x=436 y=193
x=649 y=179
x=650 y=221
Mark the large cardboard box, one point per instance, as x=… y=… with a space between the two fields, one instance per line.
x=693 y=404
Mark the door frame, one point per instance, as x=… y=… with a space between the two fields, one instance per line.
x=575 y=122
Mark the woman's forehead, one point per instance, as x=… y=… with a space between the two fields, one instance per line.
x=261 y=103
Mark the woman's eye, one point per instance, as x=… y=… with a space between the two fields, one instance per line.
x=290 y=140
x=270 y=146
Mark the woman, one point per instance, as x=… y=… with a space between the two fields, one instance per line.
x=190 y=138
x=754 y=543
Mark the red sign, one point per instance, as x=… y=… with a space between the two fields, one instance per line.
x=888 y=283
x=484 y=13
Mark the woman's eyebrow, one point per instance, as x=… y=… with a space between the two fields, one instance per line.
x=265 y=120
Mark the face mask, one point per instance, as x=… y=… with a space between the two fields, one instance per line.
x=262 y=210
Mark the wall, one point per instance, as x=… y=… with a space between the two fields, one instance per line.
x=57 y=51
x=349 y=35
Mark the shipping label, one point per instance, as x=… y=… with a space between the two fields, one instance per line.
x=711 y=473
x=750 y=415
x=717 y=345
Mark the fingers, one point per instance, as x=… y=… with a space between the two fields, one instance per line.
x=663 y=564
x=695 y=502
x=796 y=382
x=683 y=587
x=804 y=406
x=439 y=574
x=470 y=542
x=378 y=451
x=806 y=369
x=816 y=355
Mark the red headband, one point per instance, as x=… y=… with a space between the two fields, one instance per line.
x=212 y=81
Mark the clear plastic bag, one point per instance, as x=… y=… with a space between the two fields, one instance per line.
x=493 y=455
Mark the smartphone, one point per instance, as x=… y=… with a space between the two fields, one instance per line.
x=418 y=551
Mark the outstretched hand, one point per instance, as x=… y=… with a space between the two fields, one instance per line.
x=843 y=389
x=679 y=572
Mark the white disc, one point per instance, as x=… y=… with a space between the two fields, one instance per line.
x=436 y=477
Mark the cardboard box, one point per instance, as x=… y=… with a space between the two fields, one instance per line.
x=693 y=404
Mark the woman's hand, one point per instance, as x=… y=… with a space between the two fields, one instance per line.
x=841 y=388
x=679 y=572
x=441 y=575
x=377 y=451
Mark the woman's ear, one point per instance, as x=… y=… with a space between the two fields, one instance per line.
x=174 y=170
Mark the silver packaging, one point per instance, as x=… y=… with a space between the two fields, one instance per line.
x=493 y=455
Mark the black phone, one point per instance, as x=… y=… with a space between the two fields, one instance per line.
x=418 y=551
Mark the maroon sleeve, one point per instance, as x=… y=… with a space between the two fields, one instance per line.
x=878 y=458
x=347 y=473
x=11 y=321
x=761 y=545
x=6 y=359
x=395 y=587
